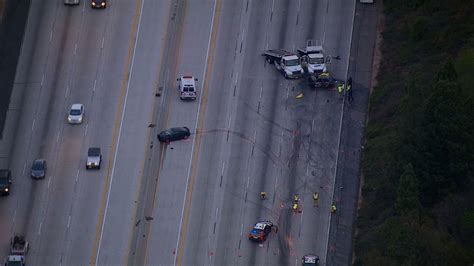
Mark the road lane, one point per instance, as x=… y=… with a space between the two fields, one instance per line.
x=139 y=86
x=176 y=167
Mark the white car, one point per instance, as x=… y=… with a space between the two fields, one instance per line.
x=76 y=114
x=71 y=2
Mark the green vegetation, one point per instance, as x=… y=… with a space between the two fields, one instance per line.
x=418 y=164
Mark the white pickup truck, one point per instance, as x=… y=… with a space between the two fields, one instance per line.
x=285 y=61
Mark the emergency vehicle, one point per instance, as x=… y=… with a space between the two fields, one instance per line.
x=187 y=87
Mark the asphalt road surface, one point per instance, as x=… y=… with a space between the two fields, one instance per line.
x=191 y=202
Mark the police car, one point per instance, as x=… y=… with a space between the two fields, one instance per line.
x=310 y=259
x=260 y=231
x=187 y=87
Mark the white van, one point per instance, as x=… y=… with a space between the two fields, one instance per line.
x=187 y=87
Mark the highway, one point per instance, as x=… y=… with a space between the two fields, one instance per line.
x=190 y=202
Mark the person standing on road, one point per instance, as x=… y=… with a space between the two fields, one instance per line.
x=349 y=89
x=340 y=89
x=350 y=97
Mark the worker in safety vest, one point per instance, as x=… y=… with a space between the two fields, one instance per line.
x=340 y=89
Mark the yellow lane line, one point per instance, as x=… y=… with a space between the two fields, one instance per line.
x=202 y=114
x=113 y=147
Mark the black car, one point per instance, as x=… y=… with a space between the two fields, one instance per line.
x=5 y=181
x=310 y=259
x=38 y=170
x=99 y=4
x=174 y=133
x=322 y=80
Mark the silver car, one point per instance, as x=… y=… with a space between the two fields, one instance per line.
x=94 y=158
x=76 y=114
x=38 y=170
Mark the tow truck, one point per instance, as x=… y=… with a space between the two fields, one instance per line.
x=285 y=61
x=18 y=249
x=312 y=57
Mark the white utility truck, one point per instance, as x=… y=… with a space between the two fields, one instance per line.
x=313 y=57
x=285 y=61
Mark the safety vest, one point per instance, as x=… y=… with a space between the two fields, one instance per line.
x=340 y=88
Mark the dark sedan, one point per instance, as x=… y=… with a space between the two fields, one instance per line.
x=174 y=133
x=99 y=4
x=38 y=170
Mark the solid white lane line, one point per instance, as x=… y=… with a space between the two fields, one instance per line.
x=85 y=133
x=340 y=130
x=236 y=78
x=230 y=119
x=255 y=136
x=68 y=220
x=273 y=4
x=223 y=166
x=102 y=44
x=241 y=229
x=261 y=91
x=95 y=84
